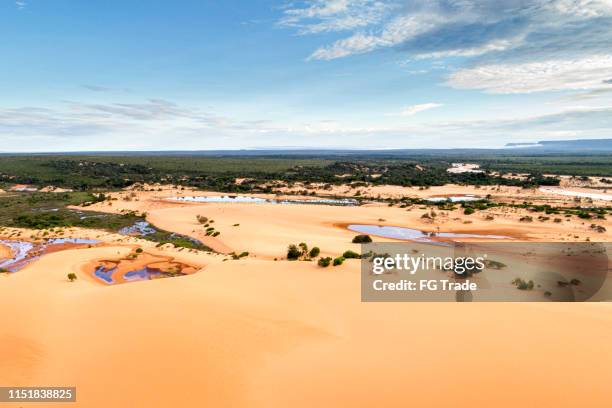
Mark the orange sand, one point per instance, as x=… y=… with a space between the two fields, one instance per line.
x=264 y=333
x=259 y=334
x=5 y=252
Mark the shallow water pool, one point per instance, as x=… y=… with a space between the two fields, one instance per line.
x=410 y=234
x=258 y=200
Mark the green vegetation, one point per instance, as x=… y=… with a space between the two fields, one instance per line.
x=49 y=210
x=43 y=211
x=523 y=285
x=351 y=255
x=72 y=276
x=108 y=172
x=324 y=262
x=236 y=256
x=361 y=239
x=293 y=253
x=300 y=251
x=86 y=172
x=491 y=264
x=338 y=261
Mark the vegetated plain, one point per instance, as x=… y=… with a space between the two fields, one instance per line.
x=90 y=174
x=40 y=211
x=87 y=172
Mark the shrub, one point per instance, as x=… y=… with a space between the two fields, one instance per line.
x=314 y=252
x=468 y=211
x=303 y=248
x=293 y=253
x=324 y=262
x=523 y=285
x=362 y=239
x=351 y=255
x=338 y=261
x=72 y=277
x=138 y=250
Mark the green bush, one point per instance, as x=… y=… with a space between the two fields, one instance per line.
x=324 y=262
x=293 y=253
x=338 y=261
x=468 y=211
x=138 y=250
x=72 y=277
x=351 y=255
x=303 y=247
x=362 y=239
x=314 y=252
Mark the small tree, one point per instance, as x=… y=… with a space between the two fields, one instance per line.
x=72 y=277
x=314 y=252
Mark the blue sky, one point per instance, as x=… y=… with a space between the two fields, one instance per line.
x=158 y=75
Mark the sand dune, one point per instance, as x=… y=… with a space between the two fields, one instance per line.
x=258 y=333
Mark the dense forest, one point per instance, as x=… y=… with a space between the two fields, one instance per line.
x=101 y=172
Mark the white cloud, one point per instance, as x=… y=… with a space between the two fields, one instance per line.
x=414 y=109
x=21 y=4
x=396 y=32
x=551 y=75
x=319 y=16
x=159 y=124
x=511 y=46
